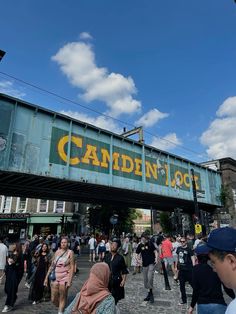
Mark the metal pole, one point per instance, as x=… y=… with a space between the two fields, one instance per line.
x=166 y=280
x=196 y=209
x=151 y=220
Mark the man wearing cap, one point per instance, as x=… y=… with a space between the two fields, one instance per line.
x=207 y=287
x=222 y=246
x=149 y=257
x=118 y=270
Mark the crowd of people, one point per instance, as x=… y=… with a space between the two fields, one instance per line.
x=207 y=264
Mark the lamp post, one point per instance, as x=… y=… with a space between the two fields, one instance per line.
x=196 y=209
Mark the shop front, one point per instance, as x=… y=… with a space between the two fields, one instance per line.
x=14 y=226
x=45 y=224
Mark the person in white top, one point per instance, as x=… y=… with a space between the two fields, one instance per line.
x=3 y=256
x=222 y=252
x=92 y=246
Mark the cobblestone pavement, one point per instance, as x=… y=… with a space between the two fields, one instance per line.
x=165 y=301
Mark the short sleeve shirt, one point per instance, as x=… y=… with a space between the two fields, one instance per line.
x=166 y=248
x=147 y=252
x=184 y=258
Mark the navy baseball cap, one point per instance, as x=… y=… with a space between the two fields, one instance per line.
x=222 y=239
x=202 y=249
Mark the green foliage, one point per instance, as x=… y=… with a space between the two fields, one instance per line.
x=148 y=231
x=224 y=195
x=165 y=222
x=99 y=219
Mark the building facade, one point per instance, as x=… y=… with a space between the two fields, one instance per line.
x=227 y=169
x=20 y=216
x=142 y=223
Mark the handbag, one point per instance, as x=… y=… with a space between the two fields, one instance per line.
x=52 y=274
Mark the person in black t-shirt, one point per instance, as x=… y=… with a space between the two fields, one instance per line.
x=149 y=257
x=186 y=261
x=118 y=270
x=207 y=287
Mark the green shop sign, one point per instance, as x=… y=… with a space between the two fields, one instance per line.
x=93 y=155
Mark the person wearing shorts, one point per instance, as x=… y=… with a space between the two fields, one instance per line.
x=63 y=263
x=166 y=249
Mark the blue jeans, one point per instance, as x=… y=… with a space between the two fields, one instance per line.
x=211 y=308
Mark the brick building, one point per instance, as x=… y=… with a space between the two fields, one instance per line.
x=227 y=169
x=20 y=216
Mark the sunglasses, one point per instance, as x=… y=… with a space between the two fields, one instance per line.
x=182 y=241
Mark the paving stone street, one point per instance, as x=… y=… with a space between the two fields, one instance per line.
x=166 y=302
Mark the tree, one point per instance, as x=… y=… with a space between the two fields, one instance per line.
x=225 y=195
x=99 y=218
x=165 y=222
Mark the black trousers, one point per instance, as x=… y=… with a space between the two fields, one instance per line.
x=184 y=276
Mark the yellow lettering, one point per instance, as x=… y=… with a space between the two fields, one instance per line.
x=186 y=180
x=61 y=148
x=196 y=180
x=167 y=174
x=105 y=158
x=151 y=169
x=115 y=158
x=91 y=154
x=138 y=165
x=127 y=164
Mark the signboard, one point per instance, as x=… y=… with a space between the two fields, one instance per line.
x=90 y=154
x=14 y=216
x=198 y=228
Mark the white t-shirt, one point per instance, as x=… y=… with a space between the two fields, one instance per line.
x=3 y=255
x=91 y=244
x=231 y=309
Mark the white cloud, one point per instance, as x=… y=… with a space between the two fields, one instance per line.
x=168 y=142
x=7 y=87
x=228 y=108
x=77 y=62
x=102 y=122
x=85 y=35
x=151 y=117
x=220 y=136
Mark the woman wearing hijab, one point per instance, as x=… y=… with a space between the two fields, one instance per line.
x=94 y=297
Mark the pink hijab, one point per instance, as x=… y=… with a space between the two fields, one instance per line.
x=94 y=290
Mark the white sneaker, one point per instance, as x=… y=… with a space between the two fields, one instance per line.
x=7 y=309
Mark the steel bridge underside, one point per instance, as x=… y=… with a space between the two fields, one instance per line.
x=42 y=187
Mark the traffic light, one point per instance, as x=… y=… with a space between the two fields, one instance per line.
x=62 y=220
x=210 y=218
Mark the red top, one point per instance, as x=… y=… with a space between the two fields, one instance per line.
x=166 y=248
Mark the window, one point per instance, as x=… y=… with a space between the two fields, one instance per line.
x=59 y=207
x=21 y=204
x=234 y=196
x=42 y=206
x=6 y=204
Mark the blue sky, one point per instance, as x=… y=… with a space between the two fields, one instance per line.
x=166 y=65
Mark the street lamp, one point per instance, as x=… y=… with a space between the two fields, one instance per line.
x=2 y=53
